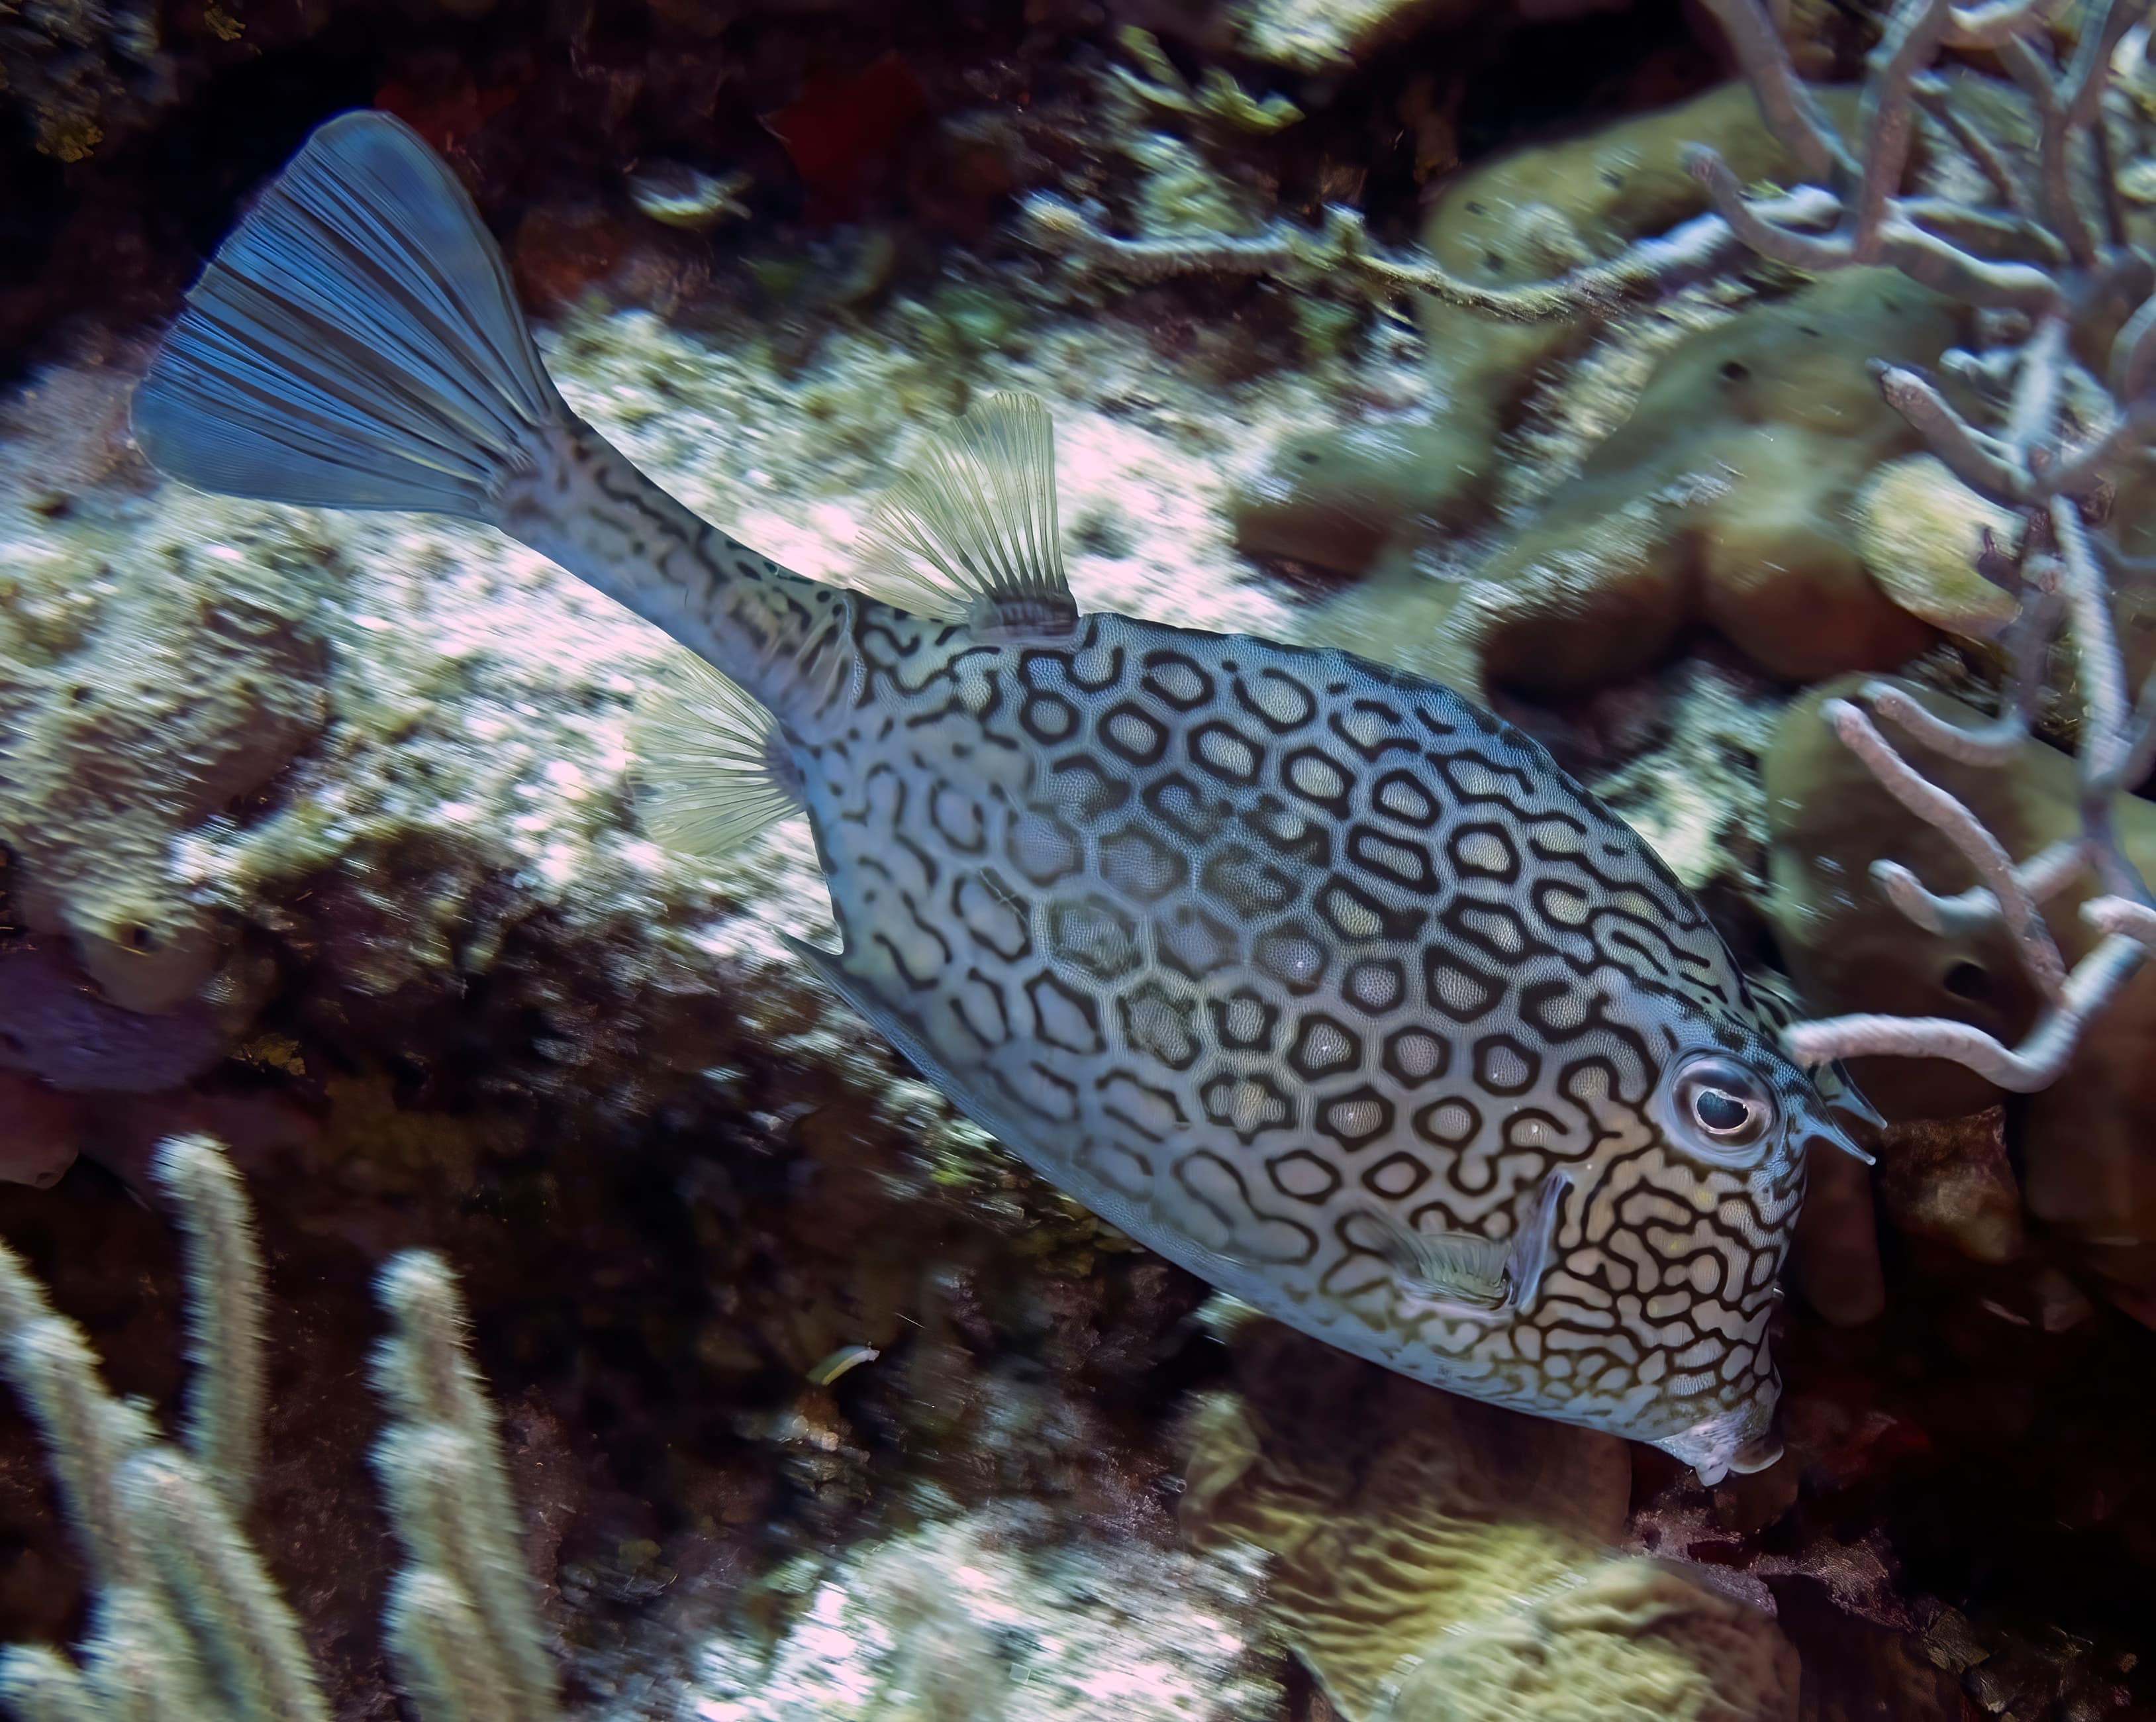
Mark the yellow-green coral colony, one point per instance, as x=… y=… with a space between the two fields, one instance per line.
x=1312 y=976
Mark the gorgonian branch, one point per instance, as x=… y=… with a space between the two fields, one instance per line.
x=2037 y=458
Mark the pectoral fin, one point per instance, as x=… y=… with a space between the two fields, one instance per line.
x=1476 y=1275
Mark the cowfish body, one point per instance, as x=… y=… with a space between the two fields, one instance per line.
x=1275 y=958
x=1313 y=977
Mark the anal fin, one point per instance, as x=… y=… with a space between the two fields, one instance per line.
x=969 y=534
x=711 y=767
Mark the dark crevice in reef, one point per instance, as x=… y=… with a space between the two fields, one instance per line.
x=546 y=108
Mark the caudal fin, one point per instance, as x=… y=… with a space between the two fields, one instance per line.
x=354 y=344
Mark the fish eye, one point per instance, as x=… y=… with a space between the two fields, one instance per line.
x=1721 y=1104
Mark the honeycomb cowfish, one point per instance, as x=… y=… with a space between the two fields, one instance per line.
x=1311 y=975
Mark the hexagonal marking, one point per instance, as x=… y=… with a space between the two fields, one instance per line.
x=1160 y=1025
x=1245 y=883
x=1245 y=1021
x=1184 y=809
x=1150 y=1111
x=1063 y=1017
x=1475 y=779
x=1464 y=993
x=1133 y=734
x=1175 y=680
x=1323 y=1047
x=1488 y=927
x=1304 y=1176
x=1288 y=831
x=1399 y=795
x=957 y=819
x=1276 y=700
x=1293 y=954
x=1093 y=935
x=1415 y=1056
x=1453 y=1123
x=1084 y=790
x=977 y=1003
x=1371 y=728
x=1222 y=750
x=1483 y=851
x=1355 y=1119
x=1048 y=718
x=1362 y=918
x=1250 y=1104
x=1391 y=859
x=1561 y=904
x=1195 y=944
x=1042 y=848
x=1376 y=985
x=1140 y=865
x=1317 y=777
x=1504 y=1065
x=1223 y=1198
x=1397 y=1176
x=1558 y=1008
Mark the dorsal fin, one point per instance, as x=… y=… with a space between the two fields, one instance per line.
x=1777 y=1001
x=710 y=770
x=969 y=534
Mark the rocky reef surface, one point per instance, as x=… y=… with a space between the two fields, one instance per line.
x=321 y=836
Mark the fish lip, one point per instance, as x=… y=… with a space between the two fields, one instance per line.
x=1740 y=1440
x=1763 y=1450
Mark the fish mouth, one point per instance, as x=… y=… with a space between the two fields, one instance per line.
x=1756 y=1454
x=1736 y=1443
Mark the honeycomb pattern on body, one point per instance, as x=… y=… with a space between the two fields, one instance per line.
x=1268 y=954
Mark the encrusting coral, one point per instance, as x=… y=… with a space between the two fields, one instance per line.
x=189 y=1625
x=132 y=714
x=1501 y=226
x=2088 y=1170
x=1436 y=1560
x=1726 y=499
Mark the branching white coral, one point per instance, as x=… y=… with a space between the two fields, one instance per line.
x=2038 y=460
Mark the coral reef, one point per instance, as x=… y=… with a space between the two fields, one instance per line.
x=1725 y=500
x=189 y=1622
x=140 y=699
x=985 y=1618
x=1502 y=225
x=2048 y=255
x=1435 y=1557
x=2088 y=1176
x=1920 y=533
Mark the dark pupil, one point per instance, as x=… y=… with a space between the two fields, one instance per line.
x=1720 y=1111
